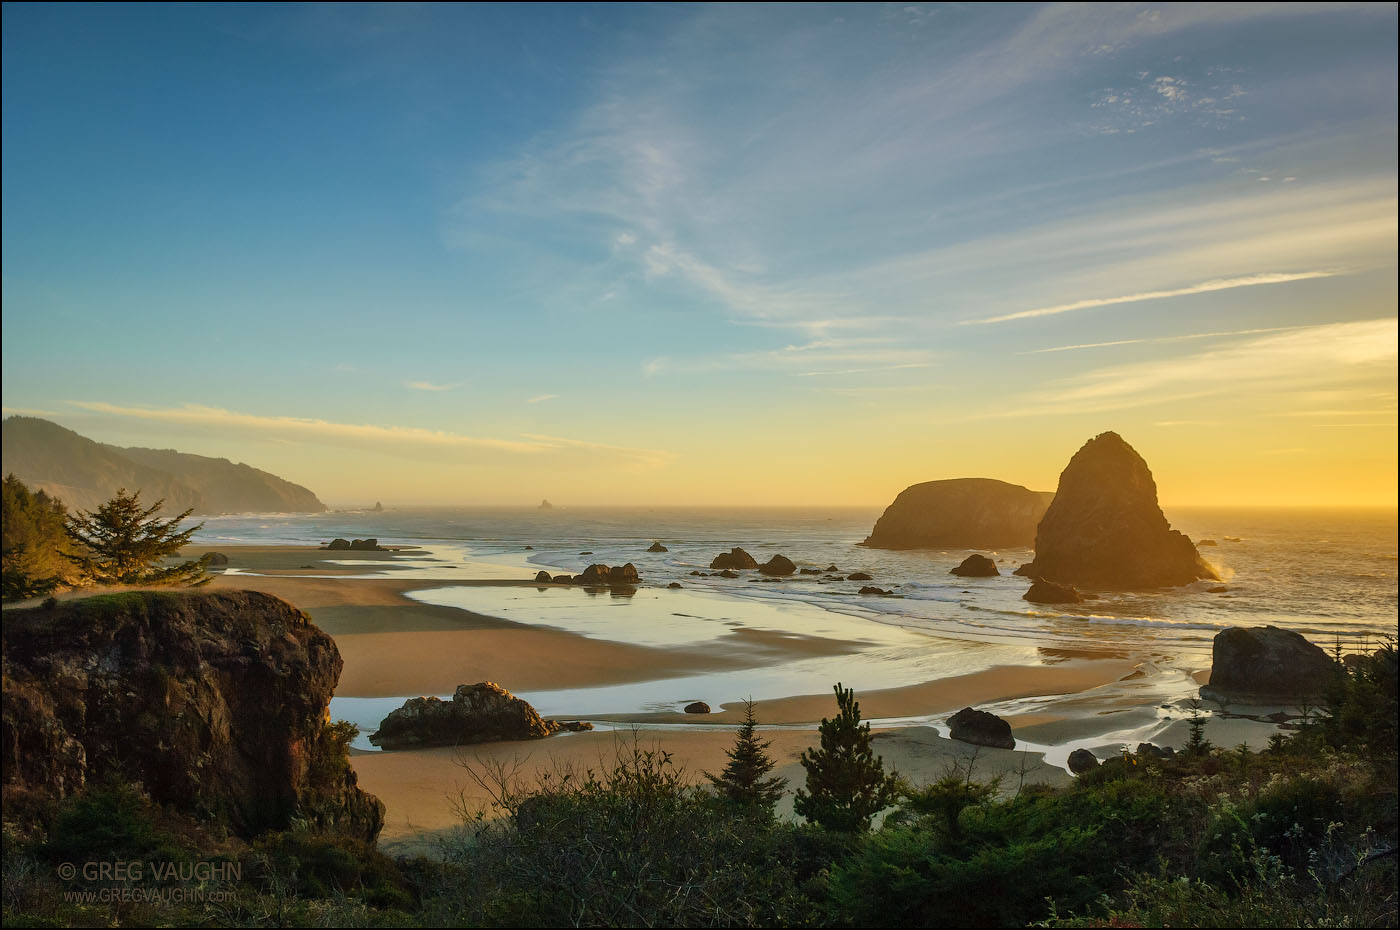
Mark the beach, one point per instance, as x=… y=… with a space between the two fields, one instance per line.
x=395 y=645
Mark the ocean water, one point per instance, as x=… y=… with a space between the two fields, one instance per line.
x=1329 y=575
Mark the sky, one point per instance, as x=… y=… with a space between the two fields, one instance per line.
x=710 y=254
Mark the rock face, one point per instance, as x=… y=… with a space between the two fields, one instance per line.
x=981 y=729
x=211 y=701
x=734 y=558
x=1265 y=663
x=1104 y=528
x=1048 y=592
x=657 y=547
x=480 y=713
x=778 y=565
x=1082 y=760
x=976 y=566
x=972 y=513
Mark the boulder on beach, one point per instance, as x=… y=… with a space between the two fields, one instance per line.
x=544 y=577
x=563 y=579
x=697 y=707
x=624 y=574
x=728 y=573
x=339 y=543
x=674 y=584
x=657 y=547
x=975 y=513
x=809 y=571
x=1082 y=760
x=778 y=565
x=1265 y=664
x=1105 y=529
x=480 y=713
x=871 y=589
x=734 y=558
x=859 y=576
x=981 y=729
x=365 y=545
x=216 y=559
x=831 y=568
x=1048 y=592
x=976 y=566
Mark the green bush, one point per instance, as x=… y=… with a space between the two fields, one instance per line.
x=113 y=821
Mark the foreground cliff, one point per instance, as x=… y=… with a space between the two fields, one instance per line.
x=1104 y=527
x=216 y=703
x=964 y=513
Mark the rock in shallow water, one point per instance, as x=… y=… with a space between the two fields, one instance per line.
x=480 y=713
x=981 y=729
x=1048 y=592
x=734 y=558
x=697 y=707
x=976 y=566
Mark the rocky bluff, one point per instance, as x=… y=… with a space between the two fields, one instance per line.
x=213 y=702
x=963 y=513
x=1104 y=527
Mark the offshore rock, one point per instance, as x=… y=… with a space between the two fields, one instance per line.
x=778 y=565
x=971 y=513
x=976 y=566
x=212 y=701
x=1104 y=528
x=657 y=547
x=734 y=558
x=1048 y=592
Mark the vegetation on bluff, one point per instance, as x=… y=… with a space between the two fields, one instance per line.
x=1301 y=834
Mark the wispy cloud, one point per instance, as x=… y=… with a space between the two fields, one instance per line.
x=429 y=386
x=1156 y=339
x=405 y=441
x=540 y=398
x=1204 y=287
x=1294 y=360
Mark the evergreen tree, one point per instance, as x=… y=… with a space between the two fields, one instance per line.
x=124 y=544
x=846 y=781
x=742 y=780
x=31 y=526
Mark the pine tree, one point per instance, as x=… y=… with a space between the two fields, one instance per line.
x=742 y=780
x=846 y=781
x=120 y=543
x=33 y=542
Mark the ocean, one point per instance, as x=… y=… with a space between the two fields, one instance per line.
x=1330 y=575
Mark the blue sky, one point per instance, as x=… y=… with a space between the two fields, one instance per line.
x=709 y=254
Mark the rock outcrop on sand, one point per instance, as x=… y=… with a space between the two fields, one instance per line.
x=697 y=707
x=611 y=575
x=970 y=513
x=1048 y=592
x=976 y=566
x=778 y=565
x=1081 y=761
x=1104 y=528
x=210 y=701
x=543 y=577
x=981 y=729
x=734 y=558
x=1265 y=664
x=480 y=713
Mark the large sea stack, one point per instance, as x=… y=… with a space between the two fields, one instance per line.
x=962 y=513
x=1104 y=528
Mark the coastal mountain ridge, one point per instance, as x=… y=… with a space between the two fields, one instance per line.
x=85 y=474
